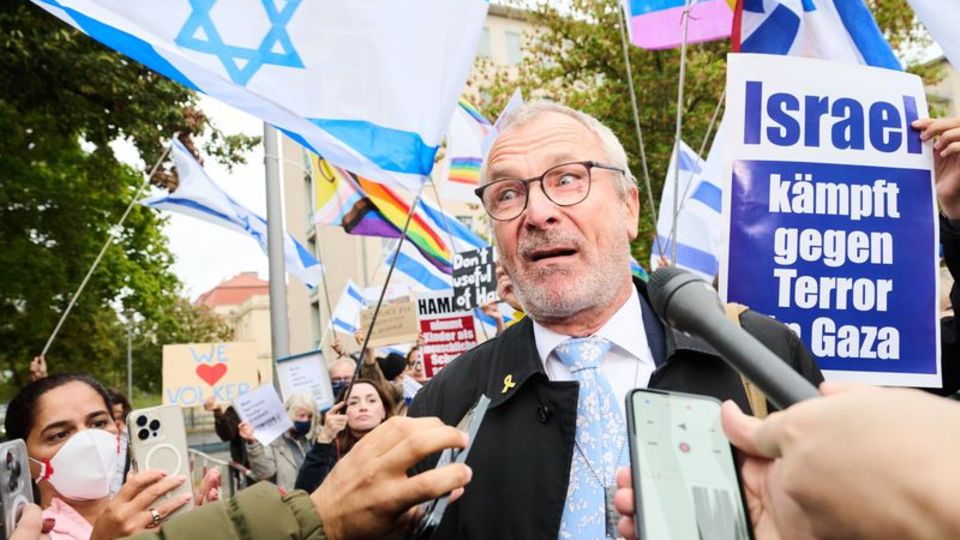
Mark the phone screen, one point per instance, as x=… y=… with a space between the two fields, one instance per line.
x=684 y=467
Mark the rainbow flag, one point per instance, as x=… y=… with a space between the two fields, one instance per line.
x=474 y=112
x=339 y=201
x=657 y=24
x=465 y=170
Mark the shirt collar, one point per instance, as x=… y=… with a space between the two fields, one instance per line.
x=624 y=330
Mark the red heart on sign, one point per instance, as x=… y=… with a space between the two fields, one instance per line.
x=211 y=373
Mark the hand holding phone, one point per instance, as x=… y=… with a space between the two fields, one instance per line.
x=158 y=442
x=16 y=491
x=685 y=482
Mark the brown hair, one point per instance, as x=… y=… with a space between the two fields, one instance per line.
x=346 y=438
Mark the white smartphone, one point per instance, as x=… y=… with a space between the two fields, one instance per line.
x=16 y=491
x=158 y=441
x=686 y=484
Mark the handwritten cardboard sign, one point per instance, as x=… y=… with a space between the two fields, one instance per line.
x=396 y=323
x=194 y=371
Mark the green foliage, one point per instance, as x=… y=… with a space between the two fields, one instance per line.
x=63 y=99
x=576 y=58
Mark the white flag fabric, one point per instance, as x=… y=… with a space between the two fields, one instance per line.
x=367 y=84
x=199 y=196
x=346 y=316
x=699 y=216
x=942 y=20
x=468 y=129
x=417 y=270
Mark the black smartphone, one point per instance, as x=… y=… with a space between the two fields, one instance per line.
x=433 y=510
x=686 y=483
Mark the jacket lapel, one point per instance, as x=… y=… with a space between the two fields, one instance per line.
x=514 y=361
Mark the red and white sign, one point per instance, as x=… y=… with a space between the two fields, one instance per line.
x=446 y=333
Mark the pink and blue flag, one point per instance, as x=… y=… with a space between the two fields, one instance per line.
x=658 y=24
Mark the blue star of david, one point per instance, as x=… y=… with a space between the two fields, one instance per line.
x=242 y=63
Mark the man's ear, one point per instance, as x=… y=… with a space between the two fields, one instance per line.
x=632 y=203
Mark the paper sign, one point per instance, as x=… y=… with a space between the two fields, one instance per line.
x=194 y=371
x=396 y=323
x=395 y=291
x=832 y=215
x=262 y=409
x=474 y=278
x=305 y=374
x=446 y=331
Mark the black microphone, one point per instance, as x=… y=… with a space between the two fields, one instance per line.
x=692 y=306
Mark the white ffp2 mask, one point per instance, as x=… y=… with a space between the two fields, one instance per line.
x=84 y=466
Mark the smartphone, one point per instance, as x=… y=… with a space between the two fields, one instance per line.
x=433 y=510
x=16 y=490
x=158 y=441
x=686 y=484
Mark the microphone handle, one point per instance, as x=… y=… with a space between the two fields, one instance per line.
x=782 y=385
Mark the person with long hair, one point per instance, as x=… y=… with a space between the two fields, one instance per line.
x=355 y=415
x=73 y=446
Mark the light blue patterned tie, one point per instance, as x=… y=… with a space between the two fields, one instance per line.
x=601 y=438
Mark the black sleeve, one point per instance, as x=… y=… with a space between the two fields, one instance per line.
x=316 y=466
x=949 y=348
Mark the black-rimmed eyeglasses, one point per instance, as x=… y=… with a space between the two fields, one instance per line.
x=565 y=185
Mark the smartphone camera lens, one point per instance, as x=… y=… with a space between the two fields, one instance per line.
x=141 y=421
x=143 y=434
x=155 y=425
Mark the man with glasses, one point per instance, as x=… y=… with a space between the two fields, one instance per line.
x=565 y=208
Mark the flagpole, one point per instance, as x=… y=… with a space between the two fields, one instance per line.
x=383 y=291
x=103 y=250
x=279 y=326
x=679 y=134
x=703 y=144
x=636 y=125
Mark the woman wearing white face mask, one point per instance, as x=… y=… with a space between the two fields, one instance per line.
x=73 y=446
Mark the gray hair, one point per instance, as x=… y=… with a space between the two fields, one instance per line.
x=306 y=402
x=531 y=110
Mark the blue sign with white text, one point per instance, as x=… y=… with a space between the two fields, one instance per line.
x=836 y=252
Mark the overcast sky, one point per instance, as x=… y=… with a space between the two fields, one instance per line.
x=205 y=253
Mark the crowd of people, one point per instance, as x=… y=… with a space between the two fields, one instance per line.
x=556 y=184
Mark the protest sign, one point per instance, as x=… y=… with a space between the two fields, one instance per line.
x=446 y=331
x=305 y=373
x=194 y=371
x=832 y=218
x=396 y=323
x=262 y=409
x=474 y=278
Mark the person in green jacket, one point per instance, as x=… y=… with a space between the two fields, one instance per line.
x=367 y=495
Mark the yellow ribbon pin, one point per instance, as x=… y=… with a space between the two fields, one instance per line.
x=507 y=384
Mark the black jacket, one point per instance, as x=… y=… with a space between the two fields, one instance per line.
x=949 y=331
x=521 y=456
x=316 y=466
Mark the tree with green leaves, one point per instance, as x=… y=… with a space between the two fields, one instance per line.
x=576 y=57
x=64 y=99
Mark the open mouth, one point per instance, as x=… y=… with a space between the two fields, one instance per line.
x=552 y=253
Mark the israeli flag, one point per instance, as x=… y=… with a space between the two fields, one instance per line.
x=414 y=267
x=369 y=85
x=199 y=196
x=838 y=30
x=346 y=315
x=698 y=222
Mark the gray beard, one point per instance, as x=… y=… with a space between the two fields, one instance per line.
x=596 y=288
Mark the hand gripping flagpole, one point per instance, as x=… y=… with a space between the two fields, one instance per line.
x=383 y=291
x=103 y=250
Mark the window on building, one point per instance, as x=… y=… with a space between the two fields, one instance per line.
x=315 y=322
x=514 y=47
x=485 y=44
